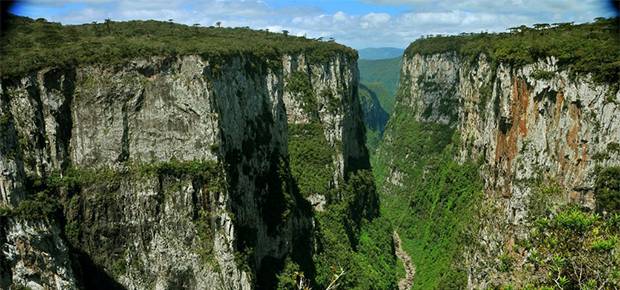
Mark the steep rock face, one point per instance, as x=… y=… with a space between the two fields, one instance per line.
x=181 y=167
x=525 y=130
x=375 y=117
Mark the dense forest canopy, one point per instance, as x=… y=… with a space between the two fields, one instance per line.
x=34 y=44
x=584 y=48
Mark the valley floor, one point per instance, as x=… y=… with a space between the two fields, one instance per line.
x=407 y=282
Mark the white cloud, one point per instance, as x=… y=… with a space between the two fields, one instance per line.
x=358 y=30
x=57 y=3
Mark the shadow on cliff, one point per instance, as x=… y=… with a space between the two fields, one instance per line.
x=91 y=275
x=5 y=266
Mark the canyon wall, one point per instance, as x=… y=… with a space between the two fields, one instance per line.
x=166 y=172
x=525 y=127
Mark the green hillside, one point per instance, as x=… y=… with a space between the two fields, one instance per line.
x=375 y=117
x=374 y=53
x=384 y=71
x=383 y=96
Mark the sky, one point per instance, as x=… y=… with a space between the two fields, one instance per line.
x=356 y=23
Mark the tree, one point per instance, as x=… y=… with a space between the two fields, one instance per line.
x=563 y=25
x=107 y=22
x=285 y=32
x=96 y=28
x=540 y=26
x=218 y=24
x=302 y=282
x=607 y=190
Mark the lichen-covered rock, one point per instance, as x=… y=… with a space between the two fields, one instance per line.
x=37 y=256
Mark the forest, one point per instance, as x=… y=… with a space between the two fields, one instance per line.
x=583 y=48
x=35 y=44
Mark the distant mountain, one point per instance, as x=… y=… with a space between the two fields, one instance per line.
x=374 y=53
x=384 y=71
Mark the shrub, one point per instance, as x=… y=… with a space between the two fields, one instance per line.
x=119 y=268
x=576 y=248
x=543 y=75
x=613 y=147
x=607 y=191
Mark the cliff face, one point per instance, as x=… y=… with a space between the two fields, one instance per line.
x=168 y=172
x=375 y=117
x=526 y=126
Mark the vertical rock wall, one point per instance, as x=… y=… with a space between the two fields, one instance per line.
x=527 y=130
x=137 y=221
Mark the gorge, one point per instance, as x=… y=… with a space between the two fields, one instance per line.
x=231 y=158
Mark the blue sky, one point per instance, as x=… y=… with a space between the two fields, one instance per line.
x=356 y=23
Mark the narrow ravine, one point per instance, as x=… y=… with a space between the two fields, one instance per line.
x=407 y=282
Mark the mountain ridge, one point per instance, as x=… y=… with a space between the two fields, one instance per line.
x=377 y=53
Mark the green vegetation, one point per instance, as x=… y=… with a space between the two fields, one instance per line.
x=613 y=147
x=574 y=249
x=34 y=44
x=506 y=262
x=377 y=91
x=375 y=117
x=298 y=84
x=584 y=48
x=543 y=75
x=310 y=158
x=385 y=72
x=309 y=153
x=119 y=268
x=351 y=235
x=19 y=287
x=72 y=232
x=43 y=197
x=608 y=190
x=600 y=156
x=377 y=53
x=385 y=99
x=348 y=233
x=5 y=123
x=434 y=208
x=206 y=234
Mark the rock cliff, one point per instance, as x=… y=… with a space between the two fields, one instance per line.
x=525 y=126
x=166 y=172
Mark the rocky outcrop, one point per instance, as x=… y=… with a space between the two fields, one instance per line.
x=407 y=282
x=173 y=171
x=530 y=125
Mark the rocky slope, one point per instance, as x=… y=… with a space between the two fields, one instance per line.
x=523 y=127
x=165 y=172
